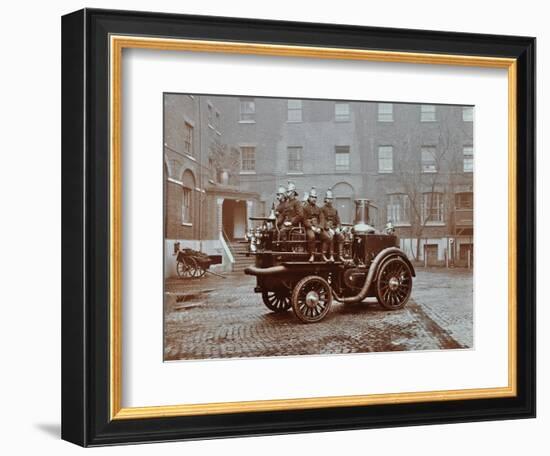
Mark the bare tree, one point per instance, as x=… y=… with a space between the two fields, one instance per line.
x=421 y=176
x=225 y=158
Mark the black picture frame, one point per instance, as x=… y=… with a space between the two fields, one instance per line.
x=85 y=224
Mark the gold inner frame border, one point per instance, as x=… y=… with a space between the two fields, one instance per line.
x=116 y=46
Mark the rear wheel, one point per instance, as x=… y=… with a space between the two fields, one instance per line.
x=394 y=284
x=276 y=301
x=311 y=299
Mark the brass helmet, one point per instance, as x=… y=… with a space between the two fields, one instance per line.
x=291 y=188
x=281 y=193
x=313 y=192
x=329 y=196
x=306 y=196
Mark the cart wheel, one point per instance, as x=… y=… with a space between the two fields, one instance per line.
x=311 y=299
x=186 y=269
x=200 y=271
x=181 y=269
x=193 y=267
x=394 y=284
x=276 y=301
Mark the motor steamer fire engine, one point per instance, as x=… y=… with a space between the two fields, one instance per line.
x=372 y=266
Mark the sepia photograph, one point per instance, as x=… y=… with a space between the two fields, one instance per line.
x=274 y=220
x=316 y=227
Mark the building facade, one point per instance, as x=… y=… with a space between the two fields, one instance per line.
x=415 y=162
x=204 y=206
x=225 y=156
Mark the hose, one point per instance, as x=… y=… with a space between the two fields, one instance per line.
x=373 y=269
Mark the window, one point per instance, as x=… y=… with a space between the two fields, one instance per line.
x=186 y=206
x=342 y=159
x=188 y=139
x=248 y=158
x=294 y=111
x=427 y=113
x=295 y=159
x=385 y=112
x=464 y=201
x=468 y=114
x=385 y=159
x=432 y=208
x=341 y=112
x=399 y=209
x=429 y=164
x=468 y=152
x=247 y=110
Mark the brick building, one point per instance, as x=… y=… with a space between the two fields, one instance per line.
x=204 y=206
x=415 y=162
x=225 y=156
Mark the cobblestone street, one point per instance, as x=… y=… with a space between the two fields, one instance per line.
x=223 y=318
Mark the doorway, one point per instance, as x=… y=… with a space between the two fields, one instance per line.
x=431 y=254
x=234 y=219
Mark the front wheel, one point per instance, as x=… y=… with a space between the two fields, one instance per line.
x=311 y=299
x=394 y=284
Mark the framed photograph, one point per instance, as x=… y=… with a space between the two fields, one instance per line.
x=276 y=227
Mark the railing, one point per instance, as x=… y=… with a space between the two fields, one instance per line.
x=224 y=240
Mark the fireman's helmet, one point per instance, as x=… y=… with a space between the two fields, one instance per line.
x=281 y=190
x=328 y=195
x=313 y=193
x=291 y=189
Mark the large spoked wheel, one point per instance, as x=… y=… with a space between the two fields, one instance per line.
x=187 y=268
x=394 y=284
x=200 y=271
x=276 y=301
x=311 y=299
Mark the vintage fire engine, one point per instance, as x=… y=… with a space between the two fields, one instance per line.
x=372 y=266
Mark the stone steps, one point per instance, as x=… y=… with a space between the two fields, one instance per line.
x=239 y=251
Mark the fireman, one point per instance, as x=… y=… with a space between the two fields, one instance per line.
x=313 y=222
x=332 y=229
x=291 y=213
x=281 y=203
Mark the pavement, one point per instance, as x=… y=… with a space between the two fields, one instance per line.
x=213 y=317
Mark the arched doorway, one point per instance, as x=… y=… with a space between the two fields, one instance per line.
x=344 y=195
x=234 y=219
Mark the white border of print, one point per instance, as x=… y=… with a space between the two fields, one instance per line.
x=148 y=381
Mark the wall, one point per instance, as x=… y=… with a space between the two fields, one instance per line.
x=30 y=189
x=318 y=132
